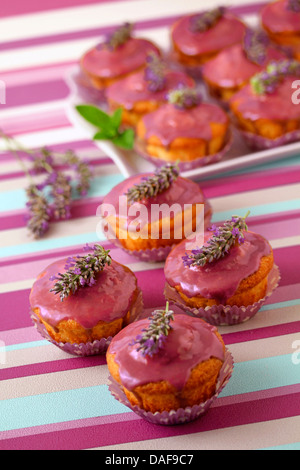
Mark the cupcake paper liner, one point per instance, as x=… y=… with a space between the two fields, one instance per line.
x=225 y=315
x=90 y=348
x=182 y=415
x=258 y=142
x=140 y=148
x=85 y=89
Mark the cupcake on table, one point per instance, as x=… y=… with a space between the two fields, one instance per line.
x=264 y=110
x=145 y=91
x=116 y=57
x=168 y=368
x=226 y=280
x=80 y=303
x=185 y=129
x=233 y=67
x=199 y=37
x=133 y=220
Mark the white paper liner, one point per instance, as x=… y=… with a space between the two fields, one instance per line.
x=225 y=315
x=90 y=348
x=140 y=148
x=258 y=142
x=182 y=415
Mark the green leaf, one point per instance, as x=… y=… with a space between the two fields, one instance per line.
x=105 y=135
x=95 y=116
x=125 y=140
x=116 y=118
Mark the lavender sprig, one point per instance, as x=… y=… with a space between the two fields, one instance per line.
x=184 y=97
x=153 y=337
x=255 y=46
x=293 y=5
x=83 y=170
x=153 y=185
x=80 y=271
x=118 y=37
x=268 y=80
x=39 y=212
x=155 y=73
x=224 y=237
x=206 y=20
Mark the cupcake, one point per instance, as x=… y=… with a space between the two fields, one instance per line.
x=167 y=363
x=199 y=37
x=185 y=129
x=281 y=20
x=233 y=67
x=264 y=110
x=225 y=280
x=80 y=303
x=149 y=213
x=145 y=91
x=115 y=58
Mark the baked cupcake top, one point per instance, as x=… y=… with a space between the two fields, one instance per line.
x=235 y=65
x=282 y=16
x=189 y=342
x=216 y=277
x=269 y=95
x=194 y=36
x=106 y=298
x=114 y=58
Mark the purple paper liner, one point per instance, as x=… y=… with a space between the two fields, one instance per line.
x=94 y=348
x=194 y=71
x=85 y=89
x=257 y=142
x=140 y=148
x=182 y=415
x=225 y=315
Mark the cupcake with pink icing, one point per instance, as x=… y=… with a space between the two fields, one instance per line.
x=225 y=280
x=233 y=67
x=199 y=37
x=264 y=111
x=168 y=368
x=185 y=129
x=145 y=91
x=148 y=214
x=81 y=302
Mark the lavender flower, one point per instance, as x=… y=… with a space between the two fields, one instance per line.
x=268 y=80
x=255 y=46
x=151 y=186
x=80 y=271
x=224 y=237
x=184 y=97
x=155 y=72
x=153 y=338
x=206 y=20
x=39 y=212
x=118 y=37
x=293 y=5
x=83 y=170
x=61 y=192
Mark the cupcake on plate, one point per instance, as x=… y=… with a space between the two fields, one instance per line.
x=115 y=58
x=199 y=37
x=233 y=67
x=264 y=110
x=226 y=280
x=185 y=129
x=145 y=91
x=149 y=213
x=168 y=368
x=281 y=20
x=80 y=303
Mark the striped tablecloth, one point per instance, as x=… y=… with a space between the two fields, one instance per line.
x=51 y=400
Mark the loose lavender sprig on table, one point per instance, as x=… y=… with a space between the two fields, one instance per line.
x=224 y=237
x=153 y=338
x=293 y=5
x=155 y=73
x=80 y=271
x=184 y=97
x=206 y=20
x=255 y=46
x=268 y=80
x=118 y=37
x=153 y=185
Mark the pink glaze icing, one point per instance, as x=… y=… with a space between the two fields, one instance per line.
x=190 y=342
x=182 y=191
x=168 y=122
x=106 y=63
x=134 y=88
x=220 y=279
x=229 y=30
x=108 y=299
x=278 y=19
x=232 y=68
x=274 y=106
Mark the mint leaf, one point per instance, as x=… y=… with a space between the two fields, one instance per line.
x=104 y=135
x=116 y=118
x=95 y=116
x=125 y=140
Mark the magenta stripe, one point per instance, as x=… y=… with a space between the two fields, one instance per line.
x=113 y=434
x=262 y=333
x=27 y=94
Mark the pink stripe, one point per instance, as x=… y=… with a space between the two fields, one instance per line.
x=47 y=73
x=113 y=434
x=37 y=92
x=33 y=123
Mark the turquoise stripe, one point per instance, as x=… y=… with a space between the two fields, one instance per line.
x=292 y=446
x=83 y=403
x=288 y=303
